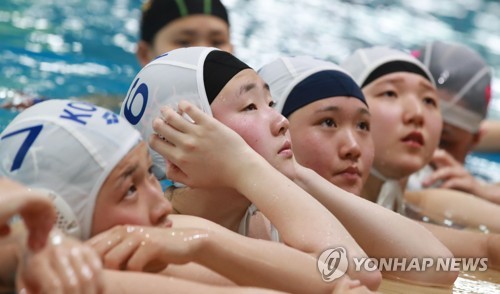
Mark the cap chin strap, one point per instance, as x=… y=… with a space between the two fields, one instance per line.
x=391 y=193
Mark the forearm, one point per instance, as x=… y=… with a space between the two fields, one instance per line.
x=303 y=222
x=292 y=210
x=370 y=228
x=136 y=282
x=459 y=207
x=261 y=263
x=489 y=192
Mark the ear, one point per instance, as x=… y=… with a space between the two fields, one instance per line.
x=143 y=53
x=476 y=138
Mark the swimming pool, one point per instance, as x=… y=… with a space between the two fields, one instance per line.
x=85 y=48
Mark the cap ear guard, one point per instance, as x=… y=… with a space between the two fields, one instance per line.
x=66 y=218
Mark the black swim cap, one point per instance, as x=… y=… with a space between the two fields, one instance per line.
x=158 y=13
x=219 y=68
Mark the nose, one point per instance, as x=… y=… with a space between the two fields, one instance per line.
x=280 y=124
x=413 y=111
x=159 y=206
x=349 y=148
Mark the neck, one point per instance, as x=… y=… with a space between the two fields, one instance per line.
x=225 y=207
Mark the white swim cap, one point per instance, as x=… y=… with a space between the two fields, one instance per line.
x=367 y=64
x=68 y=148
x=174 y=76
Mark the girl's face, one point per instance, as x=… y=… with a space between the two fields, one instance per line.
x=245 y=105
x=406 y=122
x=131 y=195
x=332 y=137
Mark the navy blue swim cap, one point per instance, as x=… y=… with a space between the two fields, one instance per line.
x=321 y=85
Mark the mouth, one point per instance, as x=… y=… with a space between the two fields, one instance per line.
x=351 y=173
x=286 y=149
x=414 y=139
x=351 y=170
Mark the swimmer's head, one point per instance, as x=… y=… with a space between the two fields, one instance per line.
x=329 y=118
x=368 y=64
x=298 y=81
x=463 y=80
x=68 y=148
x=406 y=120
x=158 y=13
x=195 y=74
x=170 y=24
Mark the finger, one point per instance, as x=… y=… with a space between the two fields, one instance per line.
x=62 y=264
x=96 y=270
x=47 y=282
x=117 y=258
x=104 y=242
x=194 y=112
x=82 y=271
x=161 y=145
x=457 y=184
x=441 y=158
x=176 y=120
x=175 y=174
x=39 y=217
x=146 y=258
x=168 y=133
x=441 y=174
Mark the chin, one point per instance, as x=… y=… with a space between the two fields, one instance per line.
x=286 y=168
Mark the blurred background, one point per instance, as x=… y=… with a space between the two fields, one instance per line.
x=85 y=48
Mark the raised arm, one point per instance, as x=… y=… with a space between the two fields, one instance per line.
x=303 y=223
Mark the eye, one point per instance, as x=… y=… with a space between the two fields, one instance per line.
x=390 y=94
x=218 y=43
x=150 y=170
x=272 y=103
x=183 y=42
x=250 y=107
x=329 y=123
x=364 y=125
x=130 y=193
x=430 y=101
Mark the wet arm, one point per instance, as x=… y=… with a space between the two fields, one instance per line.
x=373 y=225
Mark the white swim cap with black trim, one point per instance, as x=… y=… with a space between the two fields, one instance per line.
x=194 y=74
x=367 y=64
x=68 y=148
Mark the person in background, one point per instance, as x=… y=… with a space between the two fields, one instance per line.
x=463 y=81
x=170 y=24
x=330 y=132
x=406 y=125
